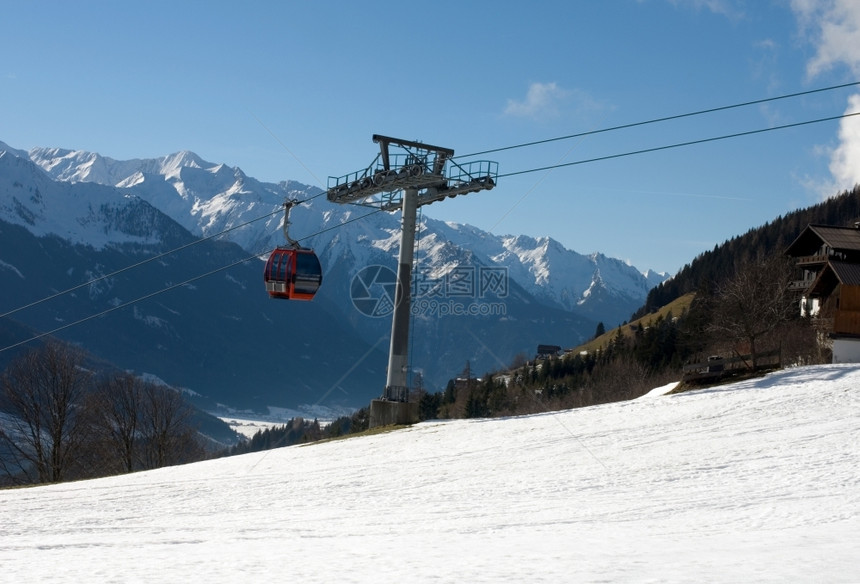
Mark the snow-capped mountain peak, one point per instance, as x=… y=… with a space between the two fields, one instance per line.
x=92 y=214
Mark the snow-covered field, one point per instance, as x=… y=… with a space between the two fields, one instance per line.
x=248 y=427
x=247 y=424
x=753 y=482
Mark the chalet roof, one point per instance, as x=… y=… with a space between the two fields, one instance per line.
x=847 y=273
x=834 y=272
x=811 y=239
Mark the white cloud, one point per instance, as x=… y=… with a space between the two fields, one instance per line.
x=845 y=158
x=542 y=100
x=548 y=100
x=833 y=28
x=728 y=8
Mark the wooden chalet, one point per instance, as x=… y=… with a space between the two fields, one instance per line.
x=828 y=263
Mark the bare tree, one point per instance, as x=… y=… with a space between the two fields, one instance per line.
x=620 y=379
x=166 y=434
x=42 y=392
x=116 y=414
x=754 y=302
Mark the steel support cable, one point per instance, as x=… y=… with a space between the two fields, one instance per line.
x=663 y=119
x=504 y=148
x=174 y=286
x=136 y=265
x=540 y=169
x=153 y=258
x=681 y=144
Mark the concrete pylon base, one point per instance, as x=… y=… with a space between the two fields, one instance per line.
x=388 y=413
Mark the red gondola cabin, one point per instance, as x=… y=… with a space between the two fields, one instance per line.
x=293 y=274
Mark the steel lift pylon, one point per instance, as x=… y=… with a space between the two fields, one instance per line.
x=412 y=175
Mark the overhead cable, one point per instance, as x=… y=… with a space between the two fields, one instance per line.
x=173 y=286
x=663 y=119
x=504 y=148
x=510 y=174
x=681 y=144
x=132 y=266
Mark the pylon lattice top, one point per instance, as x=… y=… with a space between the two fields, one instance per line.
x=427 y=169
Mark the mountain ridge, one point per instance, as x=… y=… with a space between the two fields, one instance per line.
x=207 y=198
x=166 y=202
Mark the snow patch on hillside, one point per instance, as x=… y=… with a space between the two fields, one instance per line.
x=6 y=266
x=85 y=214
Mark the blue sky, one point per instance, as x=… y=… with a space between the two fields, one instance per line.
x=295 y=90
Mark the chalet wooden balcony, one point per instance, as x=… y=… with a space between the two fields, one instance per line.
x=799 y=285
x=813 y=260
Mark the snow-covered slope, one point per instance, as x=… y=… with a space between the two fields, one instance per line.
x=753 y=482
